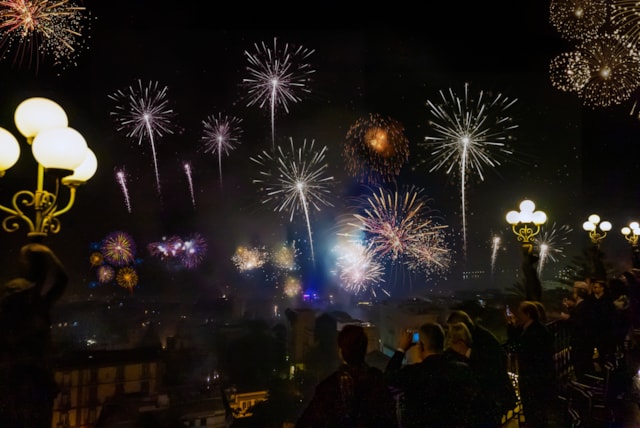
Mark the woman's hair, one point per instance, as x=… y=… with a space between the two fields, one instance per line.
x=531 y=309
x=459 y=332
x=460 y=316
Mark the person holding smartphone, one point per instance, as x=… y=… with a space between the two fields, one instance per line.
x=438 y=391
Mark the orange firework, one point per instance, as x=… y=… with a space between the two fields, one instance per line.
x=37 y=28
x=375 y=149
x=96 y=259
x=127 y=278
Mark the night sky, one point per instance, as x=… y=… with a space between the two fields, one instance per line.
x=571 y=160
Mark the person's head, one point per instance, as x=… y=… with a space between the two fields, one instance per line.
x=598 y=288
x=580 y=290
x=542 y=311
x=617 y=287
x=352 y=343
x=527 y=312
x=629 y=278
x=32 y=265
x=459 y=337
x=457 y=316
x=431 y=339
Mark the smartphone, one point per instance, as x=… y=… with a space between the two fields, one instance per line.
x=508 y=311
x=416 y=337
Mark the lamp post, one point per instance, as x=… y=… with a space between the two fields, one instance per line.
x=525 y=224
x=60 y=152
x=597 y=230
x=631 y=234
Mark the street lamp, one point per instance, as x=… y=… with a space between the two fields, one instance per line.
x=60 y=152
x=522 y=221
x=597 y=229
x=631 y=234
x=526 y=224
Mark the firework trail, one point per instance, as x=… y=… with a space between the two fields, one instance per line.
x=221 y=134
x=551 y=243
x=375 y=149
x=121 y=178
x=276 y=76
x=35 y=29
x=295 y=181
x=143 y=112
x=400 y=227
x=495 y=246
x=466 y=132
x=187 y=170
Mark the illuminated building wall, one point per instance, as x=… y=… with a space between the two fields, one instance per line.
x=88 y=379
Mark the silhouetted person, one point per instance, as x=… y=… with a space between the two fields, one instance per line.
x=602 y=313
x=580 y=335
x=437 y=391
x=533 y=345
x=532 y=285
x=27 y=387
x=489 y=363
x=354 y=396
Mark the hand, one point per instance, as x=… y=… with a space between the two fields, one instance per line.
x=406 y=340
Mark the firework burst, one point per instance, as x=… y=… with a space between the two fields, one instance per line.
x=34 y=29
x=118 y=248
x=193 y=250
x=375 y=149
x=295 y=181
x=469 y=135
x=105 y=274
x=284 y=257
x=292 y=287
x=220 y=136
x=625 y=17
x=127 y=278
x=96 y=258
x=247 y=259
x=276 y=77
x=578 y=19
x=551 y=243
x=357 y=268
x=167 y=248
x=400 y=226
x=569 y=72
x=142 y=111
x=614 y=70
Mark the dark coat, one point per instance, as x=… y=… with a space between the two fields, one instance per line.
x=351 y=397
x=437 y=392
